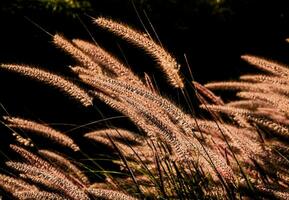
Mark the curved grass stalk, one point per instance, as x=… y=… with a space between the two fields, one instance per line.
x=52 y=80
x=42 y=130
x=106 y=60
x=81 y=57
x=167 y=63
x=60 y=160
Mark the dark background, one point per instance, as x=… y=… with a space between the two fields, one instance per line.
x=213 y=35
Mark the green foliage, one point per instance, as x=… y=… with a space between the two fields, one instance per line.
x=67 y=6
x=64 y=7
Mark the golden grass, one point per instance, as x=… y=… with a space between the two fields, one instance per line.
x=239 y=148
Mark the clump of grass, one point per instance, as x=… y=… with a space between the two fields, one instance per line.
x=239 y=150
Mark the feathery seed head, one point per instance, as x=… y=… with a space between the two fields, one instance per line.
x=81 y=57
x=167 y=63
x=53 y=80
